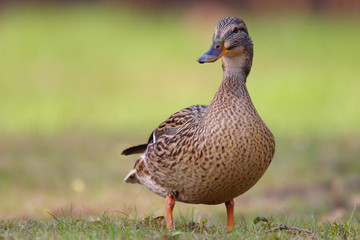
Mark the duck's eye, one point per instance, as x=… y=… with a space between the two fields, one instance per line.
x=236 y=30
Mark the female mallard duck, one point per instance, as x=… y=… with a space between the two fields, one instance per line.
x=210 y=154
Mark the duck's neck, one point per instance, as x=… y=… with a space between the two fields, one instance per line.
x=234 y=78
x=232 y=100
x=238 y=66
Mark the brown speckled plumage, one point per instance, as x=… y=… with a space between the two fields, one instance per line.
x=210 y=154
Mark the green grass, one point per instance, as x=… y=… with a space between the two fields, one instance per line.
x=115 y=227
x=78 y=84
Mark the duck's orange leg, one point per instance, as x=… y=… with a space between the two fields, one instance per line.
x=170 y=203
x=230 y=213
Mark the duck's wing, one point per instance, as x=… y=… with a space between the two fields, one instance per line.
x=170 y=126
x=168 y=129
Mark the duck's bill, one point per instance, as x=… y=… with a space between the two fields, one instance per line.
x=216 y=51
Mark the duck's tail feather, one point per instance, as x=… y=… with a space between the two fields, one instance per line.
x=132 y=177
x=135 y=149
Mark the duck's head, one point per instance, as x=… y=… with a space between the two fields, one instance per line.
x=231 y=41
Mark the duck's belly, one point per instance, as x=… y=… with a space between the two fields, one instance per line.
x=223 y=184
x=215 y=181
x=225 y=175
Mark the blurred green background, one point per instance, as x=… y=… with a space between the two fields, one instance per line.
x=81 y=82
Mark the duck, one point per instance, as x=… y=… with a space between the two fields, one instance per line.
x=210 y=154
